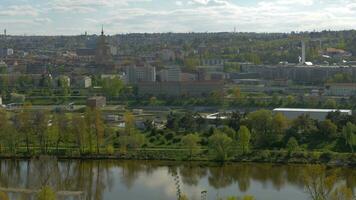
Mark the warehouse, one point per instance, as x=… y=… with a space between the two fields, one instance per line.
x=318 y=114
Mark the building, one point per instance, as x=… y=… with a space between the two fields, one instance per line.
x=137 y=74
x=0 y=101
x=96 y=102
x=299 y=74
x=175 y=89
x=317 y=114
x=103 y=50
x=4 y=52
x=337 y=53
x=341 y=89
x=82 y=82
x=173 y=73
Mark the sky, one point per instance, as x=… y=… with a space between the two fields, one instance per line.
x=74 y=17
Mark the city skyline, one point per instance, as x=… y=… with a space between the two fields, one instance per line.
x=73 y=17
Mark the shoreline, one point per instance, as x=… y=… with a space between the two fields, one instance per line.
x=261 y=156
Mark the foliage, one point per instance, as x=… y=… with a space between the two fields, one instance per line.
x=46 y=193
x=190 y=141
x=292 y=144
x=244 y=137
x=221 y=145
x=112 y=87
x=349 y=133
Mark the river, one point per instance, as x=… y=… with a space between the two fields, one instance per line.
x=153 y=180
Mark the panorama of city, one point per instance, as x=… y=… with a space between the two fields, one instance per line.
x=177 y=100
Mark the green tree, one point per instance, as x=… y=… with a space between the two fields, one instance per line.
x=328 y=129
x=260 y=124
x=23 y=124
x=292 y=145
x=63 y=135
x=349 y=133
x=99 y=129
x=112 y=87
x=244 y=137
x=79 y=130
x=221 y=145
x=40 y=128
x=129 y=123
x=46 y=193
x=191 y=141
x=330 y=104
x=135 y=140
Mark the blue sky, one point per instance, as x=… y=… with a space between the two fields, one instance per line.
x=72 y=17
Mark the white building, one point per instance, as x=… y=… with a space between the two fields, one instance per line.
x=0 y=101
x=318 y=114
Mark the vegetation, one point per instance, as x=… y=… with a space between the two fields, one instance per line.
x=46 y=193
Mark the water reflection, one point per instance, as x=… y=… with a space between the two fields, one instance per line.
x=155 y=180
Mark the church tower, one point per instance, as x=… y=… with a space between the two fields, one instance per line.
x=103 y=54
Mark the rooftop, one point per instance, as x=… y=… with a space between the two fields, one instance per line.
x=310 y=110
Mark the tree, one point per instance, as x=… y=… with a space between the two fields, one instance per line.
x=99 y=129
x=23 y=124
x=61 y=120
x=330 y=104
x=236 y=92
x=292 y=144
x=8 y=135
x=40 y=128
x=221 y=145
x=260 y=124
x=244 y=137
x=328 y=129
x=191 y=141
x=79 y=131
x=349 y=133
x=112 y=87
x=135 y=140
x=129 y=123
x=90 y=125
x=280 y=124
x=46 y=193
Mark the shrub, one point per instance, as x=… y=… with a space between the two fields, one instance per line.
x=110 y=149
x=46 y=193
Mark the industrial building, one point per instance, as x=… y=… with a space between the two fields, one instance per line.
x=188 y=88
x=317 y=114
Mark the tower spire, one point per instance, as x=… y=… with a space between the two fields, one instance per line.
x=102 y=29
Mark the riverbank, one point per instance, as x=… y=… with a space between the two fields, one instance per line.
x=257 y=156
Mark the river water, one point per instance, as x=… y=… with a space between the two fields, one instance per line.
x=152 y=180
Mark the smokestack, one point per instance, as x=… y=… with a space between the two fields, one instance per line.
x=4 y=32
x=303 y=52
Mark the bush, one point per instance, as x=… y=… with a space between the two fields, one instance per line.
x=110 y=149
x=169 y=136
x=46 y=193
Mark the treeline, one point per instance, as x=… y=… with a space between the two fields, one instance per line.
x=262 y=129
x=42 y=132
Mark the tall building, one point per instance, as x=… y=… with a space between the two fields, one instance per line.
x=136 y=74
x=103 y=51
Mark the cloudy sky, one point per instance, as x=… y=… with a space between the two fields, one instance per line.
x=72 y=17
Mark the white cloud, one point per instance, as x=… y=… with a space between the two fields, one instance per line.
x=120 y=16
x=87 y=6
x=19 y=10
